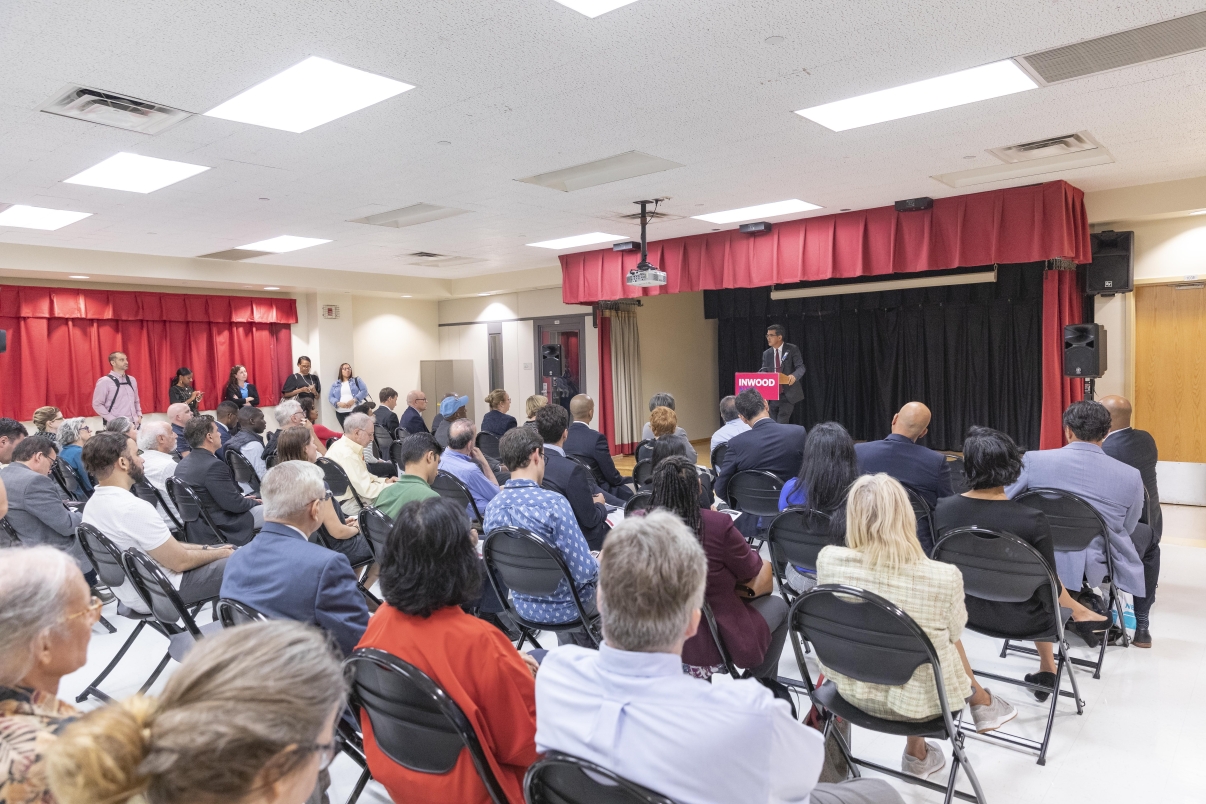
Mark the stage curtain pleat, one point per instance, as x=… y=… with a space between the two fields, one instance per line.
x=626 y=378
x=605 y=416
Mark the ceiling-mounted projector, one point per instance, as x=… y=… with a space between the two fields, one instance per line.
x=646 y=274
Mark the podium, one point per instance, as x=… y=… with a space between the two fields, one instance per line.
x=764 y=382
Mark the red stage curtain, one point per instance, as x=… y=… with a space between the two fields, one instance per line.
x=1062 y=299
x=1021 y=224
x=59 y=340
x=605 y=417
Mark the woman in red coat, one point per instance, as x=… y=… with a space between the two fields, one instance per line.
x=429 y=569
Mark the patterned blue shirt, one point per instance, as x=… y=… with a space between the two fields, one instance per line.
x=523 y=504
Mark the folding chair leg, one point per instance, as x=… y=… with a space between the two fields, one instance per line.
x=167 y=657
x=360 y=783
x=1064 y=659
x=108 y=626
x=832 y=729
x=94 y=687
x=1005 y=649
x=960 y=758
x=796 y=646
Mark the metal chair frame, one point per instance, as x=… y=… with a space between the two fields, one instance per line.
x=644 y=450
x=242 y=470
x=10 y=532
x=717 y=457
x=68 y=480
x=642 y=472
x=450 y=487
x=232 y=613
x=148 y=493
x=383 y=442
x=183 y=496
x=923 y=512
x=781 y=556
x=638 y=502
x=137 y=562
x=338 y=479
x=538 y=789
x=487 y=442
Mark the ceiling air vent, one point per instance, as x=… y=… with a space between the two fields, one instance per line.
x=116 y=111
x=411 y=215
x=1042 y=149
x=1160 y=40
x=432 y=259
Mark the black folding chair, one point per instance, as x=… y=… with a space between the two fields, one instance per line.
x=338 y=480
x=642 y=472
x=718 y=457
x=144 y=491
x=395 y=455
x=375 y=526
x=558 y=778
x=755 y=492
x=382 y=442
x=1003 y=568
x=958 y=474
x=331 y=441
x=106 y=561
x=726 y=658
x=156 y=590
x=193 y=513
x=487 y=442
x=414 y=722
x=797 y=536
x=522 y=562
x=450 y=487
x=862 y=636
x=8 y=534
x=242 y=470
x=1074 y=524
x=644 y=450
x=68 y=480
x=925 y=519
x=641 y=501
x=232 y=613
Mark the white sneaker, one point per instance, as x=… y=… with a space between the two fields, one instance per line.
x=992 y=715
x=921 y=768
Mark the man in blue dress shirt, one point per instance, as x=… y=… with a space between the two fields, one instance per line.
x=464 y=461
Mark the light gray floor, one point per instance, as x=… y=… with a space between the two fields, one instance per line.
x=1139 y=740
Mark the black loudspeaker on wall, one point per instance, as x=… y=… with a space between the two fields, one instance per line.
x=1113 y=267
x=1084 y=350
x=550 y=360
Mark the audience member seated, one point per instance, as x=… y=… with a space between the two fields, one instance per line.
x=569 y=479
x=194 y=569
x=420 y=465
x=283 y=575
x=532 y=404
x=524 y=503
x=46 y=619
x=46 y=420
x=663 y=423
x=768 y=446
x=367 y=406
x=179 y=415
x=412 y=418
x=321 y=432
x=301 y=384
x=883 y=556
x=181 y=389
x=464 y=461
x=1114 y=489
x=991 y=461
x=227 y=419
x=452 y=408
x=733 y=424
x=72 y=436
x=379 y=466
x=660 y=400
x=348 y=452
x=123 y=426
x=496 y=420
x=630 y=708
x=236 y=515
x=590 y=446
x=430 y=570
x=900 y=456
x=1137 y=448
x=248 y=441
x=384 y=415
x=11 y=434
x=238 y=390
x=295 y=444
x=753 y=630
x=35 y=509
x=156 y=440
x=3 y=503
x=248 y=716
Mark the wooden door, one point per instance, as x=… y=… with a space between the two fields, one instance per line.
x=1170 y=369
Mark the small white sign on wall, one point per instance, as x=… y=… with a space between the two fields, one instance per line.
x=330 y=311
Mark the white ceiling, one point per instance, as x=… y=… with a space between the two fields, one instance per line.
x=519 y=87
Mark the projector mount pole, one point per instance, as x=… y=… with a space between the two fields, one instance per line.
x=645 y=217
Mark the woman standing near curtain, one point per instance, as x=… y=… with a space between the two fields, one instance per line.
x=347 y=392
x=182 y=390
x=238 y=390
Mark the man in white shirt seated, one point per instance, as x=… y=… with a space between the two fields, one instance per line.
x=349 y=453
x=630 y=708
x=195 y=570
x=733 y=425
x=156 y=440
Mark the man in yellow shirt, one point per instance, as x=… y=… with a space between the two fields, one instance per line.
x=348 y=452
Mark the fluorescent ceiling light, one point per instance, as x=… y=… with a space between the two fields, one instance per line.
x=282 y=244
x=760 y=211
x=602 y=171
x=1199 y=212
x=966 y=86
x=78 y=276
x=308 y=94
x=135 y=174
x=594 y=8
x=410 y=216
x=578 y=240
x=39 y=217
x=273 y=287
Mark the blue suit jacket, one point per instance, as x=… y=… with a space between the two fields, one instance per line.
x=412 y=421
x=920 y=468
x=287 y=578
x=769 y=446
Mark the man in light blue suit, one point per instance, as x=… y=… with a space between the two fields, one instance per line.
x=284 y=576
x=1114 y=489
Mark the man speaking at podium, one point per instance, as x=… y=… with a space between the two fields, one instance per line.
x=784 y=358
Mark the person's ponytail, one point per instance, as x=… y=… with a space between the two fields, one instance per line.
x=98 y=758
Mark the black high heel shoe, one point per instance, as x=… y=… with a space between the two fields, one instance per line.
x=1091 y=630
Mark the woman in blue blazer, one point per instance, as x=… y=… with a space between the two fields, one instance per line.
x=347 y=392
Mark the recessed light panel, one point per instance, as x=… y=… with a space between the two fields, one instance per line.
x=578 y=240
x=25 y=217
x=602 y=171
x=283 y=244
x=308 y=94
x=761 y=211
x=966 y=86
x=135 y=174
x=594 y=8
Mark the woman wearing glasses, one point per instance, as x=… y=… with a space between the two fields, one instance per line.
x=248 y=716
x=72 y=436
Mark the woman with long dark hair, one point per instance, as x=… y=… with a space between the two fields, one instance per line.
x=347 y=392
x=238 y=390
x=181 y=389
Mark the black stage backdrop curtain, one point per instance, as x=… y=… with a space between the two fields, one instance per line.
x=970 y=352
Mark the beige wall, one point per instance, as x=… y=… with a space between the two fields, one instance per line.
x=388 y=338
x=678 y=356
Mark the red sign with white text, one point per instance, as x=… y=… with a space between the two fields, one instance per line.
x=764 y=383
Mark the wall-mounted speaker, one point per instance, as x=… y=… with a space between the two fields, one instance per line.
x=1084 y=350
x=1113 y=267
x=550 y=360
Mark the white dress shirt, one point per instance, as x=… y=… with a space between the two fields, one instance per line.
x=158 y=467
x=730 y=429
x=128 y=522
x=639 y=715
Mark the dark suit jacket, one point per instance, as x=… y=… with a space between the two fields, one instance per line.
x=224 y=433
x=1137 y=448
x=219 y=493
x=591 y=446
x=37 y=513
x=574 y=483
x=791 y=362
x=768 y=446
x=286 y=577
x=387 y=419
x=920 y=468
x=413 y=422
x=232 y=395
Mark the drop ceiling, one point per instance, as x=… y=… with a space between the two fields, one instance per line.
x=517 y=88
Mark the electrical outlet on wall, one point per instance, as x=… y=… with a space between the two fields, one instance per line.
x=527 y=366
